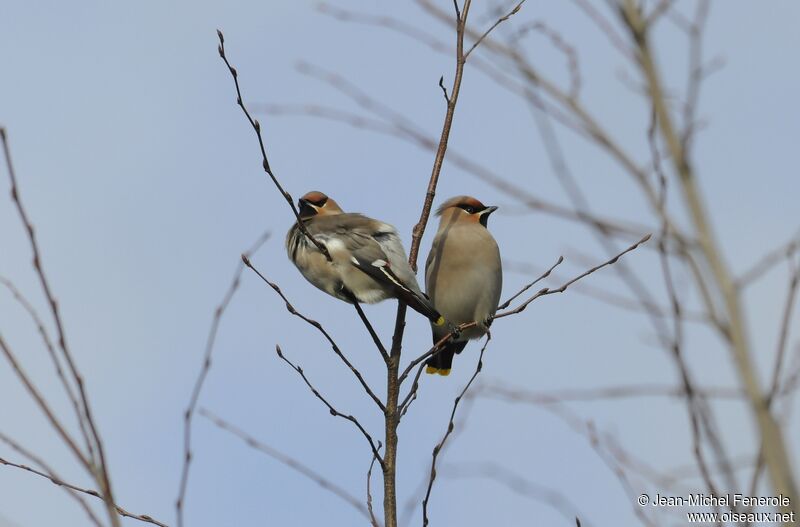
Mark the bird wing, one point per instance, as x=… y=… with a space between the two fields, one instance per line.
x=375 y=249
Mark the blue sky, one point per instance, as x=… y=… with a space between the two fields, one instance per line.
x=143 y=180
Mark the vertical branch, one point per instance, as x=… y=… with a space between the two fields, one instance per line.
x=201 y=377
x=96 y=464
x=264 y=160
x=776 y=455
x=676 y=344
x=452 y=100
x=392 y=412
x=450 y=426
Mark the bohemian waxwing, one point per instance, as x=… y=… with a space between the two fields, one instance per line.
x=368 y=262
x=463 y=275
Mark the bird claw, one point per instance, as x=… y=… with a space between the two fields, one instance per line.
x=455 y=330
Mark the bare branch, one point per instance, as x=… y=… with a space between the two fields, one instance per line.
x=419 y=228
x=693 y=404
x=389 y=23
x=516 y=483
x=564 y=287
x=201 y=377
x=334 y=412
x=444 y=90
x=777 y=456
x=783 y=334
x=603 y=393
x=768 y=261
x=561 y=45
x=372 y=519
x=606 y=27
x=392 y=413
x=438 y=448
x=264 y=161
x=531 y=284
x=375 y=338
x=696 y=70
x=599 y=443
x=543 y=292
x=413 y=134
x=641 y=306
x=97 y=468
x=48 y=343
x=43 y=405
x=291 y=309
x=775 y=385
x=49 y=474
x=499 y=21
x=286 y=460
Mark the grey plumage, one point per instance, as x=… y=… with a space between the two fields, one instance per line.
x=463 y=274
x=368 y=262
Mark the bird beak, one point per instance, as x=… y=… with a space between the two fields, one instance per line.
x=483 y=217
x=307 y=210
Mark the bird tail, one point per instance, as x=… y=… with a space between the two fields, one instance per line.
x=442 y=361
x=421 y=304
x=382 y=272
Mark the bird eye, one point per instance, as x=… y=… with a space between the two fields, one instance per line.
x=469 y=209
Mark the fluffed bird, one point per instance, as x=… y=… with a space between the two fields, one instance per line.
x=368 y=263
x=463 y=275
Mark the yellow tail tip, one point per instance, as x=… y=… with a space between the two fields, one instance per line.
x=434 y=371
x=439 y=321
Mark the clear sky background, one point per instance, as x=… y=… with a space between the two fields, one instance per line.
x=144 y=182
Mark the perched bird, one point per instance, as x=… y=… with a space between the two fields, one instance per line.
x=463 y=275
x=368 y=263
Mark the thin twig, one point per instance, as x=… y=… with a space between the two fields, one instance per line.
x=444 y=90
x=413 y=134
x=497 y=22
x=264 y=160
x=412 y=393
x=375 y=338
x=775 y=385
x=783 y=333
x=776 y=452
x=507 y=303
x=676 y=344
x=372 y=519
x=334 y=412
x=438 y=448
x=612 y=298
x=204 y=369
x=49 y=474
x=286 y=460
x=564 y=287
x=48 y=343
x=562 y=46
x=768 y=261
x=543 y=292
x=291 y=309
x=602 y=393
x=419 y=228
x=516 y=483
x=599 y=443
x=606 y=27
x=97 y=468
x=37 y=396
